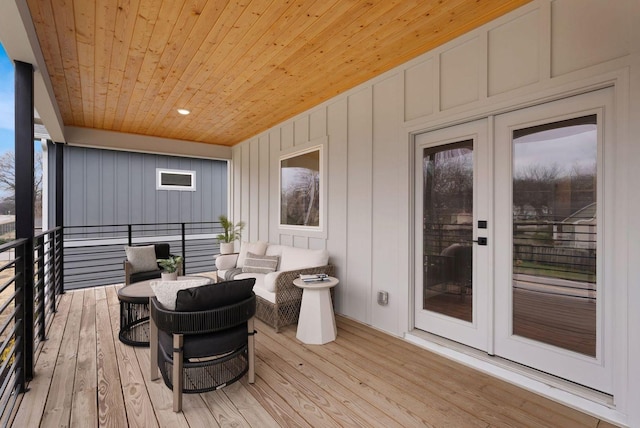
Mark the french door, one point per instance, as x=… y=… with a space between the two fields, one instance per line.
x=534 y=291
x=452 y=208
x=552 y=198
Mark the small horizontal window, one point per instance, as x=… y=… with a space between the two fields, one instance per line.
x=171 y=179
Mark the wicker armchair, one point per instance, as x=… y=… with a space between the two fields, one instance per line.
x=199 y=351
x=286 y=309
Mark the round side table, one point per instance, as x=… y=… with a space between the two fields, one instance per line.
x=317 y=323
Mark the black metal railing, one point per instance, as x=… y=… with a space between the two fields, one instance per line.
x=30 y=282
x=34 y=273
x=93 y=255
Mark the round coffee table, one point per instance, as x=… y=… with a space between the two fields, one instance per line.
x=134 y=311
x=317 y=323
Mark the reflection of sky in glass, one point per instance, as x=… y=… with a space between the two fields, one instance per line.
x=289 y=177
x=568 y=147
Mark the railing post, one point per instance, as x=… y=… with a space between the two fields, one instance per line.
x=184 y=247
x=24 y=197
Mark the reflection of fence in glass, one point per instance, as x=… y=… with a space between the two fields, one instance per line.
x=300 y=197
x=540 y=250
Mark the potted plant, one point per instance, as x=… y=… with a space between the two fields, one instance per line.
x=232 y=232
x=170 y=267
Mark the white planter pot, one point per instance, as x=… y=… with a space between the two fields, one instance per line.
x=169 y=276
x=226 y=247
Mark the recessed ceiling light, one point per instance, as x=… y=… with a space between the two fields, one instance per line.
x=183 y=111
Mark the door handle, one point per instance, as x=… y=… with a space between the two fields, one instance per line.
x=480 y=241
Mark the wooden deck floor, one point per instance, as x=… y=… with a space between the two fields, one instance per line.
x=85 y=377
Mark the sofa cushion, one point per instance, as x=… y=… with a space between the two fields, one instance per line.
x=269 y=282
x=226 y=261
x=167 y=291
x=258 y=248
x=300 y=258
x=142 y=258
x=255 y=263
x=214 y=295
x=264 y=282
x=274 y=250
x=266 y=295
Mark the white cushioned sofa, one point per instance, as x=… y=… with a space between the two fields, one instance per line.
x=274 y=267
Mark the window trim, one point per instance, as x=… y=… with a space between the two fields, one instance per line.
x=311 y=146
x=160 y=186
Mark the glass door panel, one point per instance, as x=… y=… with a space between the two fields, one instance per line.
x=555 y=233
x=448 y=229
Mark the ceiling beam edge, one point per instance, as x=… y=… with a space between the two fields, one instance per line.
x=111 y=140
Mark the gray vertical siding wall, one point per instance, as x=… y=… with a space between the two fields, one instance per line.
x=104 y=187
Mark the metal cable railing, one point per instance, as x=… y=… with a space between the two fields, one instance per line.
x=30 y=282
x=93 y=255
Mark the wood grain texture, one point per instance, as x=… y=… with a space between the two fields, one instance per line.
x=110 y=402
x=364 y=378
x=57 y=411
x=85 y=387
x=32 y=407
x=240 y=66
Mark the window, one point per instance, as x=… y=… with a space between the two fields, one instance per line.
x=301 y=189
x=171 y=179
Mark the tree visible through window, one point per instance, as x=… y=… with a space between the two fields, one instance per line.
x=300 y=189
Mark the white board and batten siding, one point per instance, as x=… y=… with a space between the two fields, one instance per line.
x=543 y=51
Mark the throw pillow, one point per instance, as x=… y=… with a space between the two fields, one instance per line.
x=167 y=291
x=255 y=263
x=214 y=295
x=258 y=248
x=300 y=258
x=142 y=259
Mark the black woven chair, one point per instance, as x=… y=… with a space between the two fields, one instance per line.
x=207 y=342
x=163 y=251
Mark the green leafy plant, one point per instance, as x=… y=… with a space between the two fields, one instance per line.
x=232 y=232
x=171 y=264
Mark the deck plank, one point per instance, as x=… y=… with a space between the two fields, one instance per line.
x=111 y=409
x=160 y=395
x=139 y=408
x=351 y=378
x=86 y=377
x=248 y=406
x=57 y=412
x=508 y=401
x=320 y=372
x=33 y=403
x=85 y=389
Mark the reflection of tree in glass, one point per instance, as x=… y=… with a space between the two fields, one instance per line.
x=448 y=195
x=547 y=192
x=448 y=184
x=300 y=197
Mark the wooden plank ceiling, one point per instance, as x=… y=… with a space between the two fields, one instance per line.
x=239 y=66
